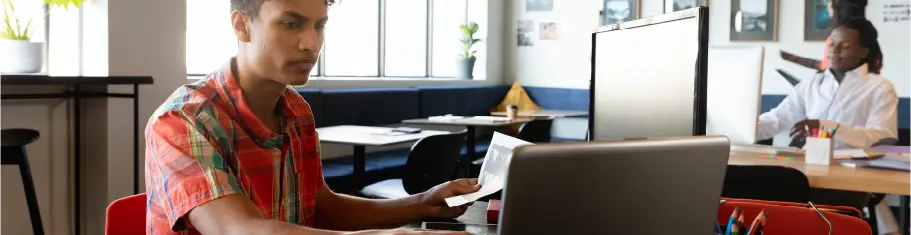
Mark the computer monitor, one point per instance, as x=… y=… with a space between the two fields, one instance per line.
x=655 y=186
x=734 y=92
x=648 y=77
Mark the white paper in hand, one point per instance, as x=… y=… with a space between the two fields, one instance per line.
x=493 y=171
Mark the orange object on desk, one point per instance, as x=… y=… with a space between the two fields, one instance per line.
x=493 y=211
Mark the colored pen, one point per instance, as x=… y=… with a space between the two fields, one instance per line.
x=755 y=223
x=731 y=222
x=738 y=228
x=835 y=129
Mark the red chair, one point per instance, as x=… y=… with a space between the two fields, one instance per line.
x=126 y=216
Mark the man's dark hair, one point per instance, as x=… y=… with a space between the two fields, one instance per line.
x=845 y=10
x=251 y=7
x=868 y=38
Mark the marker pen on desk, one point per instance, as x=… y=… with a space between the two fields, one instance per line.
x=731 y=221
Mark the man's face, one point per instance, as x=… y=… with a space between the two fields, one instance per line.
x=845 y=50
x=285 y=39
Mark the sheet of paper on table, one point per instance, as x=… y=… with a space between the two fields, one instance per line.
x=850 y=153
x=493 y=170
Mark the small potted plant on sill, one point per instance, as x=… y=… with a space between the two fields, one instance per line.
x=467 y=58
x=20 y=53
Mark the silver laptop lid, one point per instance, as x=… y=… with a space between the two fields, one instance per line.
x=655 y=186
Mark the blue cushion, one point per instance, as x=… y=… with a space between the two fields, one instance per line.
x=559 y=98
x=460 y=100
x=771 y=101
x=369 y=107
x=314 y=97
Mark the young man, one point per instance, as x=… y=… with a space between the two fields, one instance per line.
x=237 y=153
x=861 y=104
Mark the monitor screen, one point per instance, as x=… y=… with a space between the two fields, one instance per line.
x=648 y=77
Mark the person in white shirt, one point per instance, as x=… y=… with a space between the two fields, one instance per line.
x=862 y=105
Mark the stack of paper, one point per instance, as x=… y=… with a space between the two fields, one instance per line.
x=493 y=171
x=445 y=118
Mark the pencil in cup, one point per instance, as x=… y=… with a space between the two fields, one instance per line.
x=756 y=223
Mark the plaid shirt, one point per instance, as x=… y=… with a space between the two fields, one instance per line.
x=204 y=143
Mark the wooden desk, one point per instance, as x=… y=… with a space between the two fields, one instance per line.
x=836 y=176
x=362 y=136
x=546 y=113
x=470 y=125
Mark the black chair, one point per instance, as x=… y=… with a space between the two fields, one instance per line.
x=13 y=143
x=771 y=183
x=537 y=131
x=433 y=160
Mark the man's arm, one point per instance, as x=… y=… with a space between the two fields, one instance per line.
x=790 y=111
x=882 y=125
x=236 y=215
x=343 y=212
x=806 y=62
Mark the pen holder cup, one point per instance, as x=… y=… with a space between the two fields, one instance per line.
x=819 y=151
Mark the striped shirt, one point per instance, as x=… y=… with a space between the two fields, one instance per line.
x=204 y=143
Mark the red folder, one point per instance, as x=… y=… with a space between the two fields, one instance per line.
x=493 y=211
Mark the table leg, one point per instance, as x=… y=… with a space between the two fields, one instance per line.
x=469 y=149
x=903 y=214
x=359 y=165
x=136 y=139
x=77 y=162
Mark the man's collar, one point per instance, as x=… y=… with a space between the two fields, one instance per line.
x=228 y=78
x=860 y=72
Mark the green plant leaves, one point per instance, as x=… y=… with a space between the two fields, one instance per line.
x=64 y=3
x=468 y=40
x=13 y=30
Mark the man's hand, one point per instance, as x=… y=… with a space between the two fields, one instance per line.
x=799 y=131
x=435 y=197
x=406 y=232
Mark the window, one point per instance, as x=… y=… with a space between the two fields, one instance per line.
x=364 y=38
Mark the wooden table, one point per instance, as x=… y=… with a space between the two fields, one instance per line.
x=362 y=136
x=470 y=126
x=545 y=113
x=74 y=91
x=841 y=177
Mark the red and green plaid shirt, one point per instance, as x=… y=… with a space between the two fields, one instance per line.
x=204 y=143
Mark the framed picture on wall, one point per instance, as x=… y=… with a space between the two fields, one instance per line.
x=676 y=5
x=816 y=20
x=754 y=20
x=616 y=11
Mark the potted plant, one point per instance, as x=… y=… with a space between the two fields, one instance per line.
x=21 y=55
x=467 y=58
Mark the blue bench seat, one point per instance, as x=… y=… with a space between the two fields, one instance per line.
x=379 y=166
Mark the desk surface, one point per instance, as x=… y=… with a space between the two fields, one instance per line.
x=368 y=135
x=43 y=79
x=468 y=122
x=476 y=214
x=836 y=176
x=545 y=113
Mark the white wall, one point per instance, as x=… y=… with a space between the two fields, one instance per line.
x=565 y=62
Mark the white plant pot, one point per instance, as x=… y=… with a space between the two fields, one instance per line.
x=19 y=56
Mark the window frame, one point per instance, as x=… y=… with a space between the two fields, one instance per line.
x=381 y=53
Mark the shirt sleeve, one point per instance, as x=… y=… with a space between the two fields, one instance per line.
x=183 y=168
x=882 y=124
x=790 y=111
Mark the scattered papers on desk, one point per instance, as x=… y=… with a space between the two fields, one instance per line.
x=850 y=153
x=445 y=118
x=493 y=171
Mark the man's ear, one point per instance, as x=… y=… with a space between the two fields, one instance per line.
x=865 y=52
x=240 y=24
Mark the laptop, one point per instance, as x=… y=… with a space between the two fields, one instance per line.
x=653 y=186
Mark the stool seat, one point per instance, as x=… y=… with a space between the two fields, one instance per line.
x=18 y=137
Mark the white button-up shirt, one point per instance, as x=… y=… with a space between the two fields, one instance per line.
x=863 y=106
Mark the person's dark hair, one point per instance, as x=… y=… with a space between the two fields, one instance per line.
x=251 y=7
x=868 y=38
x=845 y=10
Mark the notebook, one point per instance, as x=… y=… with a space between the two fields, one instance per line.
x=889 y=163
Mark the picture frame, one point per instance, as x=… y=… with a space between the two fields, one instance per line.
x=817 y=23
x=754 y=20
x=676 y=5
x=616 y=11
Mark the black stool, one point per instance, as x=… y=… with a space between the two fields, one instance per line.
x=13 y=143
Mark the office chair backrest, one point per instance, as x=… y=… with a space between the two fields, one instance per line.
x=433 y=160
x=770 y=183
x=126 y=216
x=537 y=131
